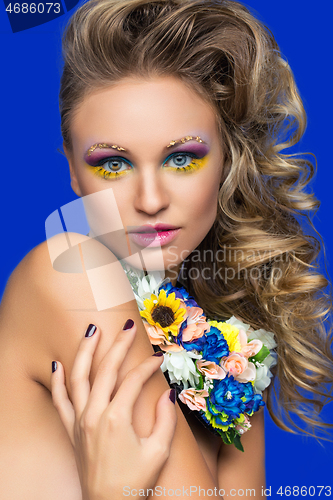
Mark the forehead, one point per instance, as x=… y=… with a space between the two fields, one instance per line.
x=142 y=111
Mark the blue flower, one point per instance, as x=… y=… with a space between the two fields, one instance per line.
x=252 y=401
x=191 y=302
x=226 y=398
x=180 y=292
x=196 y=344
x=215 y=346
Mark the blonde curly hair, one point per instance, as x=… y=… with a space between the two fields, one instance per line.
x=269 y=274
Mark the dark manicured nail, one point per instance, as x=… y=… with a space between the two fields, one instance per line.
x=128 y=325
x=158 y=353
x=172 y=395
x=54 y=366
x=90 y=330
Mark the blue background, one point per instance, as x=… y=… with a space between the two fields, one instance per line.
x=35 y=180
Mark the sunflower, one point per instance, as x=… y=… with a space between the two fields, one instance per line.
x=164 y=312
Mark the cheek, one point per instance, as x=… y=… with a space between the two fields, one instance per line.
x=84 y=179
x=90 y=183
x=203 y=199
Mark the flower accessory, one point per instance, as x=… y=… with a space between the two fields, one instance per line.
x=219 y=368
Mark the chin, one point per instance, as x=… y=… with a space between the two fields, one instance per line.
x=154 y=259
x=166 y=258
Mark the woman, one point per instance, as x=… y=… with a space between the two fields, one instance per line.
x=80 y=183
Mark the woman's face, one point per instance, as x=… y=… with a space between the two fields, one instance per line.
x=161 y=176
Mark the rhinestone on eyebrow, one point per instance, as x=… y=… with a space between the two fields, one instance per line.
x=185 y=139
x=104 y=146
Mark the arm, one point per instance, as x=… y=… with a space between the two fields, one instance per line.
x=244 y=470
x=54 y=310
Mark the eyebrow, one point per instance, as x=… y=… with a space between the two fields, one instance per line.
x=172 y=143
x=185 y=139
x=103 y=146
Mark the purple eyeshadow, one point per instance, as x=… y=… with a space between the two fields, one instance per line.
x=200 y=150
x=99 y=155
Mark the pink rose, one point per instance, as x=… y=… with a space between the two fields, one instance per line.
x=211 y=369
x=249 y=349
x=238 y=365
x=155 y=334
x=170 y=347
x=194 y=399
x=196 y=324
x=157 y=337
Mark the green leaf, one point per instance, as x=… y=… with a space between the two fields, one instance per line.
x=262 y=354
x=201 y=382
x=224 y=436
x=237 y=443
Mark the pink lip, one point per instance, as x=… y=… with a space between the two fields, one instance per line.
x=154 y=236
x=150 y=228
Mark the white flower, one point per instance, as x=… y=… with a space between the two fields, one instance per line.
x=267 y=338
x=147 y=286
x=208 y=384
x=181 y=368
x=263 y=374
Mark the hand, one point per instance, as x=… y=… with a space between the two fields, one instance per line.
x=108 y=452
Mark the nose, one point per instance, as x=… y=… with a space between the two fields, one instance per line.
x=152 y=196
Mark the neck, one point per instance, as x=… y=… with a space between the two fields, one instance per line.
x=173 y=273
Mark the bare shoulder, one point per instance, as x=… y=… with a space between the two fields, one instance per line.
x=62 y=261
x=60 y=287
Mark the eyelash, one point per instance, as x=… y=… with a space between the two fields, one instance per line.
x=100 y=171
x=195 y=164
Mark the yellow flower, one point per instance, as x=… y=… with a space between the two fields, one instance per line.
x=230 y=333
x=212 y=420
x=164 y=312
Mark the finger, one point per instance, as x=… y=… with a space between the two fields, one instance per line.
x=107 y=373
x=165 y=425
x=79 y=377
x=127 y=394
x=60 y=399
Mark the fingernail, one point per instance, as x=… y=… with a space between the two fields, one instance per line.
x=54 y=366
x=158 y=353
x=128 y=325
x=90 y=330
x=172 y=395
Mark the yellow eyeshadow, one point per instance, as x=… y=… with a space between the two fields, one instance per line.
x=106 y=174
x=196 y=164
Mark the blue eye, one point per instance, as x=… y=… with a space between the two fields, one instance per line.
x=115 y=164
x=178 y=160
